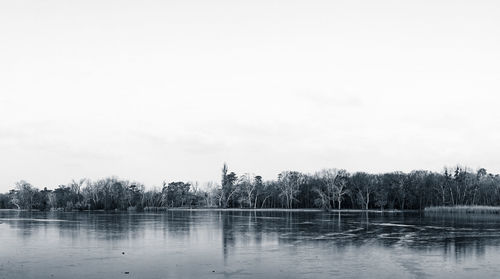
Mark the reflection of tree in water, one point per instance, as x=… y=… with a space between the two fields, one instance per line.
x=227 y=233
x=464 y=236
x=454 y=237
x=178 y=224
x=100 y=226
x=116 y=226
x=255 y=229
x=245 y=228
x=460 y=248
x=24 y=229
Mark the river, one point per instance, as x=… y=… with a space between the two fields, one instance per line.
x=247 y=244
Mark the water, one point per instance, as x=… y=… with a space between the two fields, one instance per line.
x=247 y=244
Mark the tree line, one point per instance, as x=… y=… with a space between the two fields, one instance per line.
x=326 y=189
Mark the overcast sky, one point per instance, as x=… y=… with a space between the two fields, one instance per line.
x=169 y=90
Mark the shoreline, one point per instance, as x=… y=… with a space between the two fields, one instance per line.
x=291 y=210
x=228 y=210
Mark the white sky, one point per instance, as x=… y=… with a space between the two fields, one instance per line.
x=169 y=90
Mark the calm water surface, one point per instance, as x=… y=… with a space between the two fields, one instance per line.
x=247 y=244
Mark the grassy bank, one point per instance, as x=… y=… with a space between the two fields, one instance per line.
x=464 y=209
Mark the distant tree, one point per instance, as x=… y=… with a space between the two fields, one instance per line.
x=324 y=188
x=43 y=198
x=333 y=187
x=4 y=201
x=269 y=190
x=176 y=194
x=259 y=187
x=415 y=190
x=340 y=187
x=248 y=187
x=364 y=185
x=76 y=188
x=289 y=182
x=24 y=196
x=133 y=195
x=381 y=197
x=229 y=187
x=212 y=195
x=14 y=198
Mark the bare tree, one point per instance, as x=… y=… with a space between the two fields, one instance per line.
x=268 y=191
x=248 y=186
x=24 y=195
x=340 y=186
x=335 y=187
x=364 y=185
x=289 y=183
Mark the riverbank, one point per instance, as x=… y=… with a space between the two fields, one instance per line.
x=463 y=209
x=164 y=209
x=287 y=210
